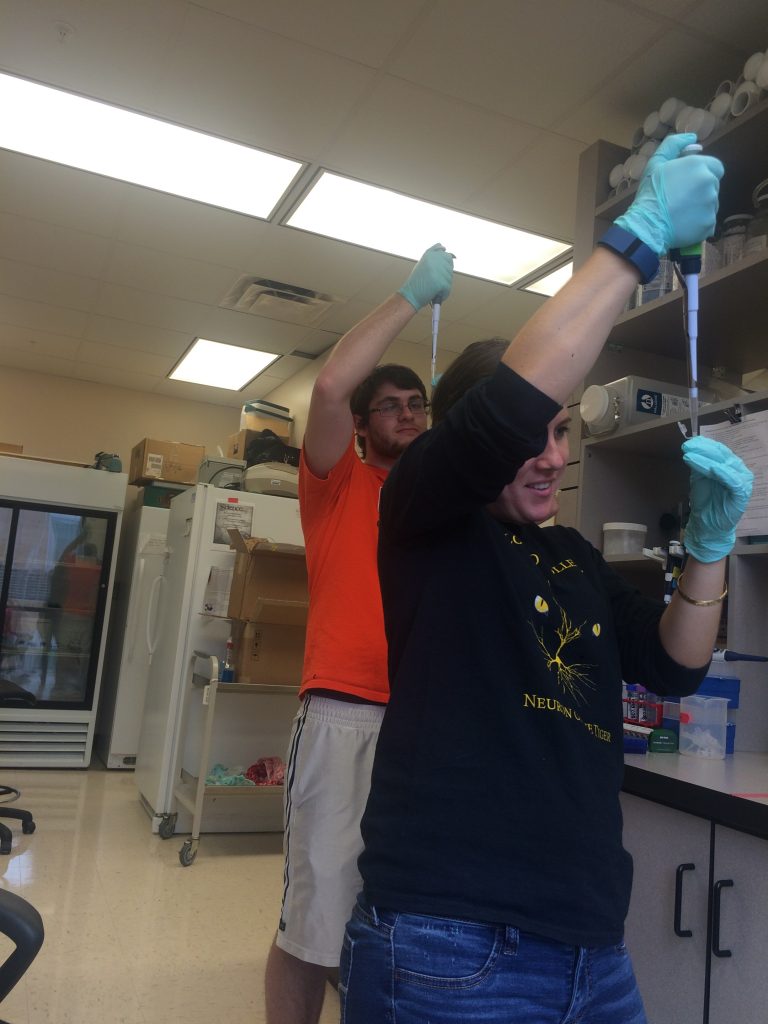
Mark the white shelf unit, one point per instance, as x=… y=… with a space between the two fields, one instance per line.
x=635 y=475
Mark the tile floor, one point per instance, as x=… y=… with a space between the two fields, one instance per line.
x=132 y=937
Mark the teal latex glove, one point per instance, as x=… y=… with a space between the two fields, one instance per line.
x=431 y=278
x=676 y=201
x=721 y=486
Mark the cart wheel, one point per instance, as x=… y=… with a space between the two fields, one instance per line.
x=187 y=854
x=28 y=827
x=167 y=826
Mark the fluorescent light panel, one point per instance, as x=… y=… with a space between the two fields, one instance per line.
x=221 y=366
x=353 y=211
x=551 y=283
x=68 y=129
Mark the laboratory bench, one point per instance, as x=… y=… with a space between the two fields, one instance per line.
x=732 y=791
x=697 y=927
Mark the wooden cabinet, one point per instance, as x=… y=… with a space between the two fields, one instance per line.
x=698 y=922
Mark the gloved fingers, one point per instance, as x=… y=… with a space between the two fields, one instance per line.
x=716 y=462
x=669 y=149
x=704 y=451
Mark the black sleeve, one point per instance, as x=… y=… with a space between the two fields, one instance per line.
x=470 y=457
x=643 y=657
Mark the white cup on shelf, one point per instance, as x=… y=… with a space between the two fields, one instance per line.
x=681 y=121
x=761 y=78
x=751 y=66
x=720 y=106
x=634 y=166
x=747 y=94
x=654 y=127
x=702 y=122
x=669 y=110
x=615 y=176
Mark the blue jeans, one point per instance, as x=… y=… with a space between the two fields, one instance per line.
x=411 y=969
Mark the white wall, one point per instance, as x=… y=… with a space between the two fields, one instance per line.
x=58 y=418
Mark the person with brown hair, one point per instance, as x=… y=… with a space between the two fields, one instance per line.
x=344 y=687
x=495 y=884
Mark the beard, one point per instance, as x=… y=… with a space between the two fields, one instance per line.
x=388 y=448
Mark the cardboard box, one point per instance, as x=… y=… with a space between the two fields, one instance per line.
x=170 y=461
x=269 y=583
x=269 y=654
x=237 y=444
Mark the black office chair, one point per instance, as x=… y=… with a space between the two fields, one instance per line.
x=24 y=927
x=13 y=696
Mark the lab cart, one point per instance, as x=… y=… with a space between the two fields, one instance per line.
x=204 y=693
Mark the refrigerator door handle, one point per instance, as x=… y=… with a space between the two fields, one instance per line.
x=152 y=640
x=133 y=612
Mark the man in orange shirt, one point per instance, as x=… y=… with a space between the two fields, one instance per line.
x=345 y=685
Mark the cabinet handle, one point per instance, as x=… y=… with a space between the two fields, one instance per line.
x=683 y=933
x=723 y=883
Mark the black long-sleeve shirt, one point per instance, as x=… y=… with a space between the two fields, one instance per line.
x=498 y=768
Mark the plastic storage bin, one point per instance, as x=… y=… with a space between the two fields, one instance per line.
x=623 y=538
x=703 y=722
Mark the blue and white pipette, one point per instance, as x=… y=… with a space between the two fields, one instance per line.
x=689 y=260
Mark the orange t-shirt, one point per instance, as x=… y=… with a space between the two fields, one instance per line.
x=345 y=649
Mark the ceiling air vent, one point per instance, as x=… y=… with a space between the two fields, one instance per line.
x=276 y=300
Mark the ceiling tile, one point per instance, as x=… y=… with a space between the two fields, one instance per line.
x=154 y=271
x=531 y=60
x=47 y=191
x=155 y=310
x=108 y=49
x=137 y=337
x=39 y=344
x=119 y=377
x=49 y=245
x=200 y=393
x=24 y=360
x=363 y=33
x=99 y=354
x=42 y=316
x=538 y=189
x=375 y=137
x=255 y=87
x=743 y=25
x=252 y=331
x=39 y=284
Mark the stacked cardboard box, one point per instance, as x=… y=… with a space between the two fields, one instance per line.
x=268 y=605
x=170 y=461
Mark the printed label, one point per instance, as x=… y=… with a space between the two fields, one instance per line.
x=656 y=403
x=154 y=464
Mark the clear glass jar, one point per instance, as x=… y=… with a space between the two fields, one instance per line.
x=733 y=237
x=757 y=232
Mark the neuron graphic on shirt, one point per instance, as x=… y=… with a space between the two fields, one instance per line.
x=571 y=678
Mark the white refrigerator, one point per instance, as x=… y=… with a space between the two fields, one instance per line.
x=133 y=631
x=198 y=553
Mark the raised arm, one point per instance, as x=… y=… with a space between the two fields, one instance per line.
x=329 y=424
x=675 y=206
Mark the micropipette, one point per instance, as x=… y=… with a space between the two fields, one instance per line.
x=689 y=260
x=720 y=654
x=435 y=325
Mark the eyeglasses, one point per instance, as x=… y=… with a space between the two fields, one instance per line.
x=416 y=406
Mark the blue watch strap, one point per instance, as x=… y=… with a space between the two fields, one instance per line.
x=630 y=248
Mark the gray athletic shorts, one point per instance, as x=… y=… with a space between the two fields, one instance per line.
x=327 y=779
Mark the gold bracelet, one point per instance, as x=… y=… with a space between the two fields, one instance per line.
x=699 y=604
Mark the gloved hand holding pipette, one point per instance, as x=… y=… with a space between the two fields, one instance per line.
x=431 y=278
x=676 y=201
x=721 y=486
